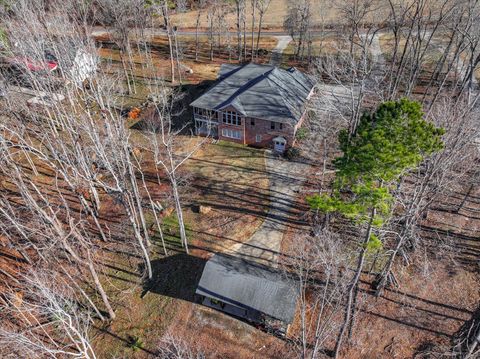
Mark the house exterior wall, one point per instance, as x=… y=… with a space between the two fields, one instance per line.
x=224 y=126
x=84 y=65
x=254 y=131
x=250 y=315
x=263 y=128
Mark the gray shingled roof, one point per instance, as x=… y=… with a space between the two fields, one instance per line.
x=259 y=91
x=248 y=285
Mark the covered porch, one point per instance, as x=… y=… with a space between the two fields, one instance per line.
x=204 y=127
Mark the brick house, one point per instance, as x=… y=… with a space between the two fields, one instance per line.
x=258 y=105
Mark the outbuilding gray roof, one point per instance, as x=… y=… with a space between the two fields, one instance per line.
x=259 y=91
x=248 y=285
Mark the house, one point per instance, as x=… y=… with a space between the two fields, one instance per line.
x=250 y=291
x=76 y=62
x=258 y=105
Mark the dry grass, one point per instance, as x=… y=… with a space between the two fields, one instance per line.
x=231 y=179
x=432 y=304
x=432 y=56
x=323 y=12
x=159 y=64
x=161 y=67
x=220 y=336
x=329 y=44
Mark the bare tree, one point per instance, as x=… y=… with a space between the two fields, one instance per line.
x=319 y=266
x=297 y=23
x=254 y=8
x=172 y=347
x=240 y=19
x=211 y=16
x=168 y=26
x=181 y=5
x=123 y=16
x=262 y=6
x=50 y=321
x=170 y=149
x=200 y=7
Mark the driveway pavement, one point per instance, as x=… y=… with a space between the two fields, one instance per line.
x=286 y=178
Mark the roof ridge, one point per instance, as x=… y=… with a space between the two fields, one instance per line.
x=243 y=88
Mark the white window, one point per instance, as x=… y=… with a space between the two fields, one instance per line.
x=232 y=118
x=258 y=138
x=227 y=132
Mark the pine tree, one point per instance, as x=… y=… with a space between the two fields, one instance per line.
x=386 y=145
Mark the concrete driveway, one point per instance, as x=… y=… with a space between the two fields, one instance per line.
x=286 y=178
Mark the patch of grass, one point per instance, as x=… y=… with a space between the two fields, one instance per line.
x=135 y=343
x=171 y=229
x=302 y=133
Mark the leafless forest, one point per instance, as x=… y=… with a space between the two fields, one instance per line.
x=110 y=205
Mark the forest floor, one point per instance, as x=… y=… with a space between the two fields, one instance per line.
x=203 y=68
x=438 y=291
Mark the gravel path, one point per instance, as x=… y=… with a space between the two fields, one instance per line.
x=277 y=52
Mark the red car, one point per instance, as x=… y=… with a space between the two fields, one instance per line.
x=32 y=65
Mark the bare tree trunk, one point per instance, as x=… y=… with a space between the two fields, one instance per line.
x=473 y=346
x=178 y=209
x=259 y=32
x=352 y=291
x=99 y=286
x=177 y=57
x=239 y=30
x=125 y=71
x=85 y=295
x=211 y=16
x=197 y=25
x=244 y=20
x=254 y=6
x=166 y=20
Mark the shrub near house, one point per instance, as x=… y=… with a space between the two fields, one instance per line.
x=257 y=105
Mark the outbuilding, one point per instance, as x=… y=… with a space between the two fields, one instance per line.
x=255 y=293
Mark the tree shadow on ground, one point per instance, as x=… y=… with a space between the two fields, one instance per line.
x=181 y=112
x=466 y=334
x=175 y=276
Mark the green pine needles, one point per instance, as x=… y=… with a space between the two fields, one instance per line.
x=387 y=144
